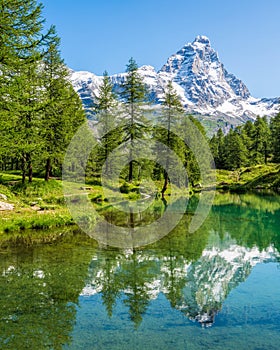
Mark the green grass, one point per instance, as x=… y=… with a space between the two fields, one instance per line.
x=255 y=177
x=38 y=205
x=41 y=204
x=26 y=220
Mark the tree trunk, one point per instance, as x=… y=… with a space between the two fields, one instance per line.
x=48 y=169
x=130 y=174
x=164 y=188
x=23 y=168
x=165 y=184
x=30 y=168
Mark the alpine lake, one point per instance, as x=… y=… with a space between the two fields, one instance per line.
x=216 y=288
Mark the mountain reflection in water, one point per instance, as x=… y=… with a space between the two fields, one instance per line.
x=56 y=294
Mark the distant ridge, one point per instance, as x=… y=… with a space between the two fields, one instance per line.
x=205 y=87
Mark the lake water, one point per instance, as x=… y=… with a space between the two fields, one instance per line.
x=217 y=288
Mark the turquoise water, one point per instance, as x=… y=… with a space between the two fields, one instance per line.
x=249 y=319
x=218 y=288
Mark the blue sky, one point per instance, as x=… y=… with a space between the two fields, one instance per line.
x=98 y=35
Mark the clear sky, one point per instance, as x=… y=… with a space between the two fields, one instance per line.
x=100 y=35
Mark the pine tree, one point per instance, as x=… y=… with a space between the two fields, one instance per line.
x=62 y=114
x=275 y=136
x=247 y=133
x=106 y=109
x=133 y=94
x=260 y=141
x=217 y=148
x=21 y=42
x=168 y=120
x=191 y=160
x=27 y=106
x=235 y=153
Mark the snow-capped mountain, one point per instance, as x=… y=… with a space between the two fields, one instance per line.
x=204 y=85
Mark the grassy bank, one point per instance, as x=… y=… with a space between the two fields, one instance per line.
x=259 y=177
x=41 y=205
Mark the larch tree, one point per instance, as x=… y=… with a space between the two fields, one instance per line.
x=21 y=40
x=133 y=94
x=168 y=121
x=275 y=136
x=260 y=141
x=63 y=112
x=107 y=109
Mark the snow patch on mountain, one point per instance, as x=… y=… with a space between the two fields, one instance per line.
x=200 y=79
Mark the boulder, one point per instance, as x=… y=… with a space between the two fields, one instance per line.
x=6 y=206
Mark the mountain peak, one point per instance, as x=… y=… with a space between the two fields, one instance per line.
x=204 y=85
x=202 y=39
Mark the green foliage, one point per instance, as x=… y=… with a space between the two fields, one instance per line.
x=190 y=159
x=136 y=126
x=39 y=110
x=110 y=135
x=248 y=178
x=62 y=114
x=234 y=151
x=251 y=144
x=167 y=122
x=275 y=136
x=47 y=280
x=260 y=141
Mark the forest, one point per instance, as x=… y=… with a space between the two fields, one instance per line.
x=40 y=112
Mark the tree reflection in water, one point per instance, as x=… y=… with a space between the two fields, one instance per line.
x=195 y=272
x=40 y=286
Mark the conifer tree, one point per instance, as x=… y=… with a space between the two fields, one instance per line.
x=27 y=107
x=217 y=148
x=260 y=141
x=275 y=136
x=21 y=42
x=191 y=160
x=235 y=152
x=247 y=134
x=172 y=112
x=133 y=94
x=62 y=113
x=106 y=108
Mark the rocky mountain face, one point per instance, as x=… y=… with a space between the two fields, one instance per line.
x=205 y=87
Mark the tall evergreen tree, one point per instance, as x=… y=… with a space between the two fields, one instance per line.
x=172 y=112
x=217 y=148
x=27 y=105
x=260 y=141
x=247 y=133
x=133 y=94
x=191 y=160
x=21 y=42
x=235 y=155
x=62 y=113
x=275 y=136
x=106 y=108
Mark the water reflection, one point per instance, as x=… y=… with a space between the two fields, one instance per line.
x=196 y=288
x=195 y=272
x=39 y=291
x=41 y=286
